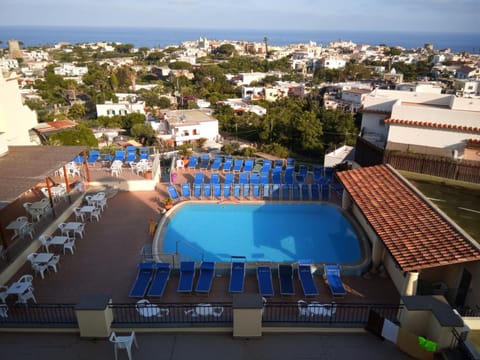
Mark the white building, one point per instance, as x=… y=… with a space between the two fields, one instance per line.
x=8 y=64
x=334 y=63
x=70 y=70
x=121 y=108
x=16 y=119
x=353 y=98
x=421 y=122
x=186 y=126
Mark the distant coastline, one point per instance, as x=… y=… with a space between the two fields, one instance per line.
x=161 y=37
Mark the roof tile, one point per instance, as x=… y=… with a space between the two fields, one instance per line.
x=416 y=235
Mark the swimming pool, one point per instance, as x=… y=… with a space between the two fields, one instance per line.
x=262 y=232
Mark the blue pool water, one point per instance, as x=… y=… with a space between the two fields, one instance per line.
x=262 y=232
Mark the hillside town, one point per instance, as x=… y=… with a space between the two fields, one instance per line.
x=109 y=142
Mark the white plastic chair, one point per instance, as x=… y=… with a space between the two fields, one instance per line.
x=45 y=241
x=3 y=310
x=124 y=342
x=95 y=214
x=53 y=262
x=27 y=295
x=70 y=245
x=62 y=229
x=79 y=230
x=3 y=293
x=40 y=268
x=26 y=278
x=147 y=309
x=31 y=257
x=205 y=310
x=102 y=204
x=78 y=214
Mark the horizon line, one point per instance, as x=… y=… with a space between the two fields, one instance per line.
x=232 y=29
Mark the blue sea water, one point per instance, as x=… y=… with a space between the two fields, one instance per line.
x=161 y=37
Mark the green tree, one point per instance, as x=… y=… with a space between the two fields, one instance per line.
x=142 y=132
x=275 y=149
x=164 y=102
x=80 y=135
x=77 y=111
x=225 y=51
x=180 y=65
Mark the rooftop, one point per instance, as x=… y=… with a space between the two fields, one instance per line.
x=415 y=234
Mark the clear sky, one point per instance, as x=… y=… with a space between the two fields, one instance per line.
x=381 y=15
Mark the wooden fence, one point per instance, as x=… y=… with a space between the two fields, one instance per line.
x=462 y=170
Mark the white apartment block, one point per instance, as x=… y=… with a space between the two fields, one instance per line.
x=186 y=126
x=70 y=70
x=334 y=63
x=121 y=108
x=8 y=64
x=421 y=122
x=16 y=119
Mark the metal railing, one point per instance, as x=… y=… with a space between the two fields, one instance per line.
x=48 y=315
x=167 y=314
x=458 y=345
x=212 y=314
x=330 y=314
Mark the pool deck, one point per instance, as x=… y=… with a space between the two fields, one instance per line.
x=105 y=262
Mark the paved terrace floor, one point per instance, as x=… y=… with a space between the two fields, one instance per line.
x=105 y=263
x=201 y=346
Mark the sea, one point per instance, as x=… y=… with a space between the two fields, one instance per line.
x=163 y=37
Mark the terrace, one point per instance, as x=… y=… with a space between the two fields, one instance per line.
x=105 y=263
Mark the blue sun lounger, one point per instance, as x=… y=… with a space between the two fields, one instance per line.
x=93 y=156
x=192 y=162
x=306 y=279
x=237 y=274
x=186 y=191
x=246 y=190
x=207 y=273
x=249 y=163
x=204 y=161
x=217 y=162
x=197 y=191
x=227 y=190
x=237 y=190
x=264 y=278
x=187 y=274
x=173 y=192
x=160 y=280
x=243 y=178
x=229 y=178
x=207 y=191
x=256 y=191
x=227 y=165
x=237 y=165
x=285 y=277
x=144 y=276
x=217 y=191
x=214 y=178
x=332 y=273
x=199 y=178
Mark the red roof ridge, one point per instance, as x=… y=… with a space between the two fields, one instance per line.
x=464 y=128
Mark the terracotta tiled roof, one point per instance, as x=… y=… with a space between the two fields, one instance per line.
x=414 y=233
x=472 y=129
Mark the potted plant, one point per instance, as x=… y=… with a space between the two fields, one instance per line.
x=185 y=151
x=168 y=203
